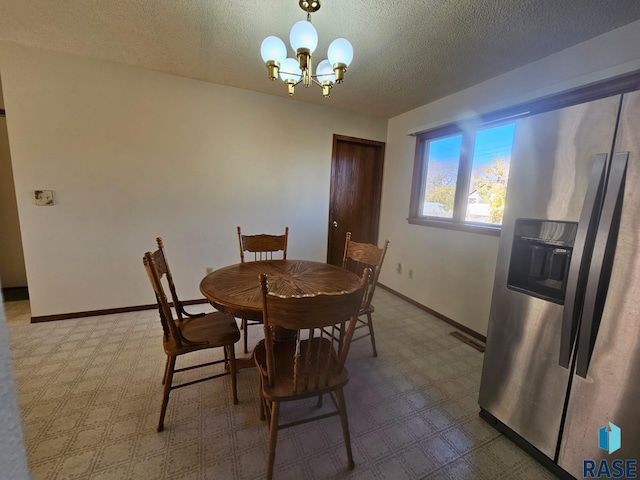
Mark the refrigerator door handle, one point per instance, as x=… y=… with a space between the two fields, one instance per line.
x=602 y=263
x=580 y=259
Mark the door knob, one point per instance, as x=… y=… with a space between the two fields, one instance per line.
x=335 y=224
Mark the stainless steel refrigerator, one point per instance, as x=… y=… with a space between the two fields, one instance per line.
x=562 y=357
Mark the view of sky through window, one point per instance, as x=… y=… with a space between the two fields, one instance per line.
x=489 y=174
x=488 y=180
x=442 y=175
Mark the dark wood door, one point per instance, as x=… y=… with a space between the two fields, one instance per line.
x=356 y=189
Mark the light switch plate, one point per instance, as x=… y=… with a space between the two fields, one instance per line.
x=43 y=197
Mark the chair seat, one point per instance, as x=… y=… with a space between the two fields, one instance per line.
x=284 y=353
x=201 y=331
x=366 y=310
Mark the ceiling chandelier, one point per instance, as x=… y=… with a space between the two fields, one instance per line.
x=304 y=40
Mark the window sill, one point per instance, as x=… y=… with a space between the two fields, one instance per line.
x=482 y=229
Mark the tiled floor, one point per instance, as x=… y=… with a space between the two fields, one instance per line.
x=90 y=391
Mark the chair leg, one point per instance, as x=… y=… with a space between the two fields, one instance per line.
x=373 y=337
x=232 y=370
x=341 y=337
x=245 y=334
x=273 y=438
x=166 y=369
x=345 y=426
x=167 y=390
x=262 y=414
x=319 y=404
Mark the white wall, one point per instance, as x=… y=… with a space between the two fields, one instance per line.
x=453 y=271
x=132 y=154
x=12 y=271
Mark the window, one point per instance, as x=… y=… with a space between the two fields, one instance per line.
x=460 y=177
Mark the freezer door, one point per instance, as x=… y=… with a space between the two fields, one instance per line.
x=610 y=391
x=523 y=385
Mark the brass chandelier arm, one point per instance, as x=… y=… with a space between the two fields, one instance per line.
x=313 y=79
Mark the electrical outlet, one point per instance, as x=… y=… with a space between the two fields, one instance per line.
x=399 y=268
x=410 y=273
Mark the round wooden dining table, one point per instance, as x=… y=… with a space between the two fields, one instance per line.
x=236 y=289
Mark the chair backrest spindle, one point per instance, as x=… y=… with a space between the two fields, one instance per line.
x=169 y=326
x=162 y=266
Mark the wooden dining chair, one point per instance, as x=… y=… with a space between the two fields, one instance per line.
x=309 y=365
x=262 y=246
x=185 y=335
x=356 y=257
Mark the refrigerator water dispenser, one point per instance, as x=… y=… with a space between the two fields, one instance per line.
x=540 y=257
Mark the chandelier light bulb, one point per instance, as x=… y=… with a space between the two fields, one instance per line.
x=273 y=48
x=289 y=70
x=324 y=72
x=340 y=51
x=303 y=35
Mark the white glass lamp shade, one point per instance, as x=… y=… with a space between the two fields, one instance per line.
x=324 y=72
x=290 y=70
x=340 y=51
x=273 y=48
x=303 y=35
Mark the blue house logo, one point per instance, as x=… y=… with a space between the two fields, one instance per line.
x=609 y=440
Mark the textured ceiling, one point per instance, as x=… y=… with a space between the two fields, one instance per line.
x=407 y=52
